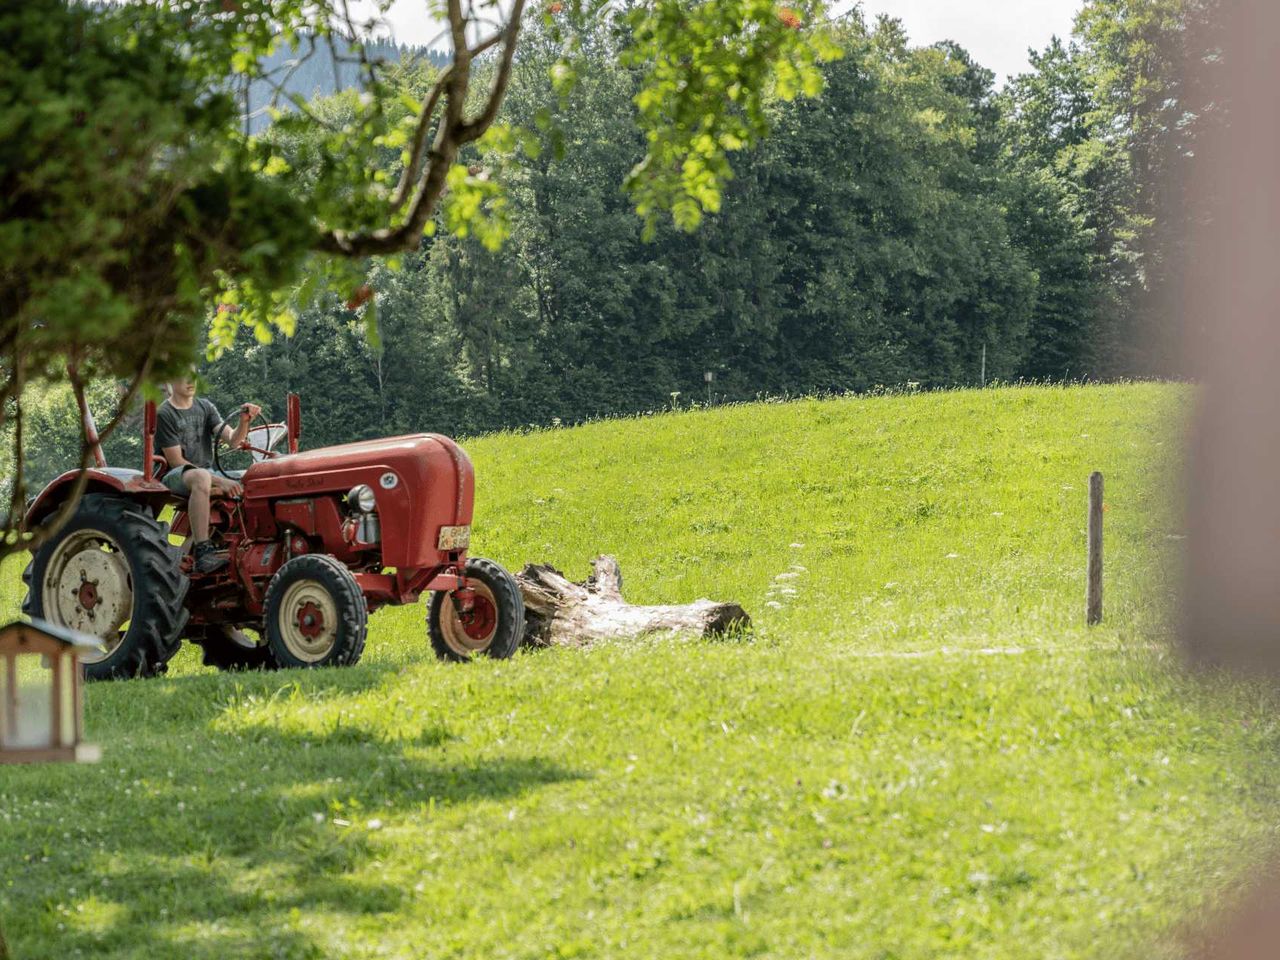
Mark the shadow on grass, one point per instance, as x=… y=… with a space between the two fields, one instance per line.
x=215 y=844
x=201 y=697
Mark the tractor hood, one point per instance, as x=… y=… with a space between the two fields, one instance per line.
x=402 y=450
x=420 y=482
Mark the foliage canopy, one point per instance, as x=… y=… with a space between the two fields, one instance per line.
x=133 y=195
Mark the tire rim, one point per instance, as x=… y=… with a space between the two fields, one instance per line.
x=308 y=621
x=476 y=634
x=87 y=587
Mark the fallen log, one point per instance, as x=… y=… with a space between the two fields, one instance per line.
x=561 y=613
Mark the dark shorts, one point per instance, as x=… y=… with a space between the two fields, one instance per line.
x=173 y=479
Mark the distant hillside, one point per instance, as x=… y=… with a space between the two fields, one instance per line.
x=321 y=74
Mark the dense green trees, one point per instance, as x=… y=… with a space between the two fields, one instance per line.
x=909 y=225
x=912 y=224
x=1115 y=119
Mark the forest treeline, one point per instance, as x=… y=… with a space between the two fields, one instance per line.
x=913 y=224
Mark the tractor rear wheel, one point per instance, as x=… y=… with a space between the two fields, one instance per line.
x=111 y=573
x=493 y=628
x=230 y=648
x=315 y=614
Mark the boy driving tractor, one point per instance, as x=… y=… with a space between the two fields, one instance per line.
x=310 y=542
x=185 y=430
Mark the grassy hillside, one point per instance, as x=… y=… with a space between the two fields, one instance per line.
x=920 y=753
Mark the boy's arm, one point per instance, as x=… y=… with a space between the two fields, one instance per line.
x=174 y=457
x=169 y=441
x=247 y=412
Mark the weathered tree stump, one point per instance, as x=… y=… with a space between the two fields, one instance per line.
x=561 y=613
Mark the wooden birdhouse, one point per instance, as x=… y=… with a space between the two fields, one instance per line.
x=41 y=704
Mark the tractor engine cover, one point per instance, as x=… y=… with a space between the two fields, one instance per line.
x=421 y=484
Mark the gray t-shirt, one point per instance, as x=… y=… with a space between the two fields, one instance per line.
x=191 y=429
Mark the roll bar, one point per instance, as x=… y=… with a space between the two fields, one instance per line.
x=293 y=420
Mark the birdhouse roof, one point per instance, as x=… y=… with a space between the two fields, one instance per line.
x=74 y=639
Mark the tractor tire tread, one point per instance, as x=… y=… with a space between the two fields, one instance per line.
x=352 y=609
x=26 y=582
x=507 y=594
x=145 y=544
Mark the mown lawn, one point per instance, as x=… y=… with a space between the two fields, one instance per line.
x=920 y=753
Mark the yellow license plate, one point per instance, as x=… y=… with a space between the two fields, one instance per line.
x=455 y=538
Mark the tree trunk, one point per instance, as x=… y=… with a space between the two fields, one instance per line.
x=561 y=613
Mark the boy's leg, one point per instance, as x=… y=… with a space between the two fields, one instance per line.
x=199 y=485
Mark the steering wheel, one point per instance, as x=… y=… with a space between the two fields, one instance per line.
x=219 y=442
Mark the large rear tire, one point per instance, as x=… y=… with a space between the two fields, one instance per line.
x=111 y=573
x=315 y=614
x=231 y=649
x=495 y=626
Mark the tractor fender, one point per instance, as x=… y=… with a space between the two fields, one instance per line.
x=128 y=483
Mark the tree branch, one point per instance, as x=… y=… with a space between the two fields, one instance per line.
x=476 y=128
x=15 y=523
x=6 y=394
x=408 y=234
x=18 y=493
x=410 y=175
x=460 y=74
x=355 y=40
x=458 y=32
x=293 y=68
x=451 y=134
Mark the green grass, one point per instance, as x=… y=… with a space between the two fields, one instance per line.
x=920 y=753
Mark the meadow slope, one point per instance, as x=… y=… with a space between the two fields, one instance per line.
x=919 y=753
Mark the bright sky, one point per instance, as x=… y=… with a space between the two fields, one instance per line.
x=996 y=32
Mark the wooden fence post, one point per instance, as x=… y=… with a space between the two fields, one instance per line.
x=1093 y=600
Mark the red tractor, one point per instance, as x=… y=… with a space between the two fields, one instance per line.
x=318 y=541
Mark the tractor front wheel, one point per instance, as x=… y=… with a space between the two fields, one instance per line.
x=492 y=628
x=315 y=614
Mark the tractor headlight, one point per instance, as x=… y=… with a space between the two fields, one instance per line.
x=361 y=498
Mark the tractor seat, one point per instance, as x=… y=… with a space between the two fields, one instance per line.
x=126 y=475
x=237 y=475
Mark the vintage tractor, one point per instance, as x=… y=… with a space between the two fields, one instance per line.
x=317 y=542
